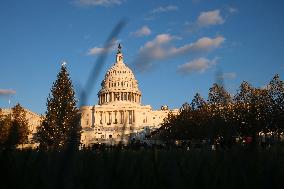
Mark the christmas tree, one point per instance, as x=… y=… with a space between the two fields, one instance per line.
x=60 y=127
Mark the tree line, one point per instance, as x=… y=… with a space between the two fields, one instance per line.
x=247 y=113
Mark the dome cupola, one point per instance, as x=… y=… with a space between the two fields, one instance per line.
x=119 y=84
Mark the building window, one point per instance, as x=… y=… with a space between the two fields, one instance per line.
x=133 y=115
x=121 y=117
x=130 y=116
x=115 y=119
x=125 y=96
x=101 y=118
x=109 y=117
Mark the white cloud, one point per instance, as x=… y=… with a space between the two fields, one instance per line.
x=164 y=9
x=199 y=65
x=202 y=44
x=210 y=18
x=229 y=75
x=159 y=40
x=100 y=50
x=205 y=19
x=105 y=3
x=7 y=91
x=233 y=10
x=143 y=31
x=97 y=50
x=160 y=48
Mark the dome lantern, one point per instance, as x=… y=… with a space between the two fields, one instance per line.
x=119 y=55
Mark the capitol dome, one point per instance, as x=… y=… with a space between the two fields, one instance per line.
x=119 y=84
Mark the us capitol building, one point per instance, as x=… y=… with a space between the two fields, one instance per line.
x=119 y=113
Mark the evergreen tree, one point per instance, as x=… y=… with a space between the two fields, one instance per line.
x=14 y=128
x=60 y=127
x=19 y=125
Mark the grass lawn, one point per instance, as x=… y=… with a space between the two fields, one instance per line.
x=196 y=168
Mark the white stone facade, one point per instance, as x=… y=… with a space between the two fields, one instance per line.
x=119 y=112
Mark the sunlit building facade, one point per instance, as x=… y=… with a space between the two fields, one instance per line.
x=119 y=112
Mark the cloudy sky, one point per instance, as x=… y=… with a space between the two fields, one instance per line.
x=176 y=48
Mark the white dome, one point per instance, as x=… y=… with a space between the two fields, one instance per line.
x=119 y=84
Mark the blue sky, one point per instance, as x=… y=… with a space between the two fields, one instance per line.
x=176 y=48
